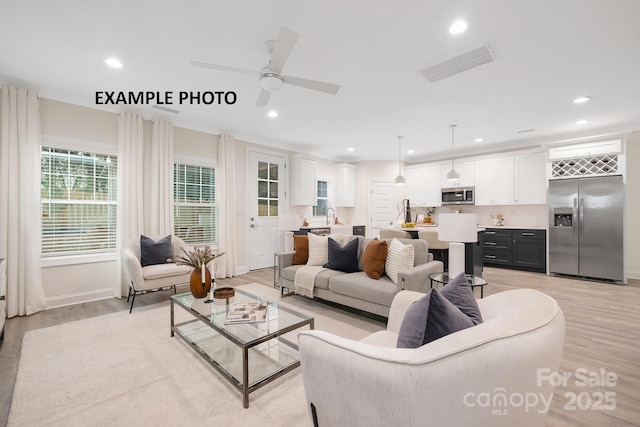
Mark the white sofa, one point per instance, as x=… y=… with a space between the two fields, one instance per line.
x=474 y=377
x=141 y=279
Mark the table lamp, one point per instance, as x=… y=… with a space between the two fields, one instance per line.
x=288 y=223
x=457 y=229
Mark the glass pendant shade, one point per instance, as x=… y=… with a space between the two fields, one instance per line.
x=453 y=175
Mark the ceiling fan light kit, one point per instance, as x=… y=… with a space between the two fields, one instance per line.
x=271 y=77
x=271 y=80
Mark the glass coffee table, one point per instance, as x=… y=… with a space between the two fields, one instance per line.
x=474 y=281
x=248 y=355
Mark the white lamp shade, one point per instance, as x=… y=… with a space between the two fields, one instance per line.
x=458 y=227
x=288 y=222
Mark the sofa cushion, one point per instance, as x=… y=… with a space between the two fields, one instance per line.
x=358 y=285
x=342 y=258
x=459 y=292
x=152 y=252
x=301 y=246
x=322 y=279
x=420 y=249
x=400 y=257
x=158 y=271
x=374 y=258
x=318 y=250
x=429 y=318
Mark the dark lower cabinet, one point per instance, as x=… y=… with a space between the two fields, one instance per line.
x=515 y=248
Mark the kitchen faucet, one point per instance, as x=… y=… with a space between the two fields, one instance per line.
x=334 y=214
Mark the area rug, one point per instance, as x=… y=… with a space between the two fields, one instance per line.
x=125 y=369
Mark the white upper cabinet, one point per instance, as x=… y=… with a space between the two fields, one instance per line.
x=494 y=181
x=345 y=186
x=423 y=185
x=415 y=186
x=433 y=185
x=530 y=179
x=303 y=181
x=467 y=175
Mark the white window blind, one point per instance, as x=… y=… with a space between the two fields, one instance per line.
x=322 y=203
x=194 y=191
x=78 y=201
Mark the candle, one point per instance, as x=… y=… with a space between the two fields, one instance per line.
x=203 y=273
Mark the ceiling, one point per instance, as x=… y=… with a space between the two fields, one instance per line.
x=547 y=52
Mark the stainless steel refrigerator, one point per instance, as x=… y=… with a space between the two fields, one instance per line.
x=586 y=227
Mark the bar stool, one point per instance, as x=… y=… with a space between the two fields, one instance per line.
x=431 y=236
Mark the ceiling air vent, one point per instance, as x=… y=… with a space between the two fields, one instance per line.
x=460 y=63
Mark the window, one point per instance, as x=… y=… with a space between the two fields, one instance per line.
x=322 y=203
x=268 y=180
x=78 y=202
x=194 y=194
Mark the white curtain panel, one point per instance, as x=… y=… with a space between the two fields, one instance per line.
x=161 y=192
x=130 y=187
x=226 y=201
x=20 y=221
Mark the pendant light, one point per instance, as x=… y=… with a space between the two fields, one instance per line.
x=400 y=179
x=453 y=174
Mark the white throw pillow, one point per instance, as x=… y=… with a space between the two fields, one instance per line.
x=399 y=257
x=318 y=249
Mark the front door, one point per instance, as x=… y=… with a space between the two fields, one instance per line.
x=267 y=180
x=382 y=210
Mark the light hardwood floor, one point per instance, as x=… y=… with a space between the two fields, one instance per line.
x=602 y=332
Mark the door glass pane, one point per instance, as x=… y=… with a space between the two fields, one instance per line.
x=273 y=190
x=273 y=172
x=262 y=170
x=273 y=208
x=262 y=208
x=262 y=188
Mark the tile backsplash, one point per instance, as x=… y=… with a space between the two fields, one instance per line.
x=514 y=215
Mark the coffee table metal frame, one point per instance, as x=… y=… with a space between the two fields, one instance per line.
x=474 y=281
x=186 y=301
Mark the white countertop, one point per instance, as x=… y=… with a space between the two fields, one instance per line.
x=518 y=226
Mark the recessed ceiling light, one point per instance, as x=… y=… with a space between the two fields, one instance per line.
x=581 y=99
x=582 y=122
x=113 y=62
x=273 y=114
x=350 y=149
x=410 y=151
x=459 y=26
x=479 y=140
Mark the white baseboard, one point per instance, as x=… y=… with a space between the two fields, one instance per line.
x=633 y=275
x=80 y=297
x=242 y=270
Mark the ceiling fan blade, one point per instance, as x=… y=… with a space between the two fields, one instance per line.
x=222 y=67
x=285 y=43
x=312 y=84
x=263 y=98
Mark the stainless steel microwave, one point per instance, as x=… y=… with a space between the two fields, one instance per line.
x=458 y=196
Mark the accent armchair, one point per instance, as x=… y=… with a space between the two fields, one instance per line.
x=478 y=376
x=152 y=277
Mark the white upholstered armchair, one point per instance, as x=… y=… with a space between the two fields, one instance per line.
x=474 y=377
x=152 y=277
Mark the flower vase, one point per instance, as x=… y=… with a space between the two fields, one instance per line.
x=198 y=287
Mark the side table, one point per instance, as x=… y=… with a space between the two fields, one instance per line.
x=474 y=281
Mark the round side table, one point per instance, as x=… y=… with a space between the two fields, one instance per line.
x=474 y=281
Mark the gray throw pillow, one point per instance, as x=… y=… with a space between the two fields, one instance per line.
x=342 y=258
x=460 y=293
x=430 y=318
x=152 y=252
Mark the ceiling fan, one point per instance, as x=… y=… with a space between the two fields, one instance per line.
x=270 y=76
